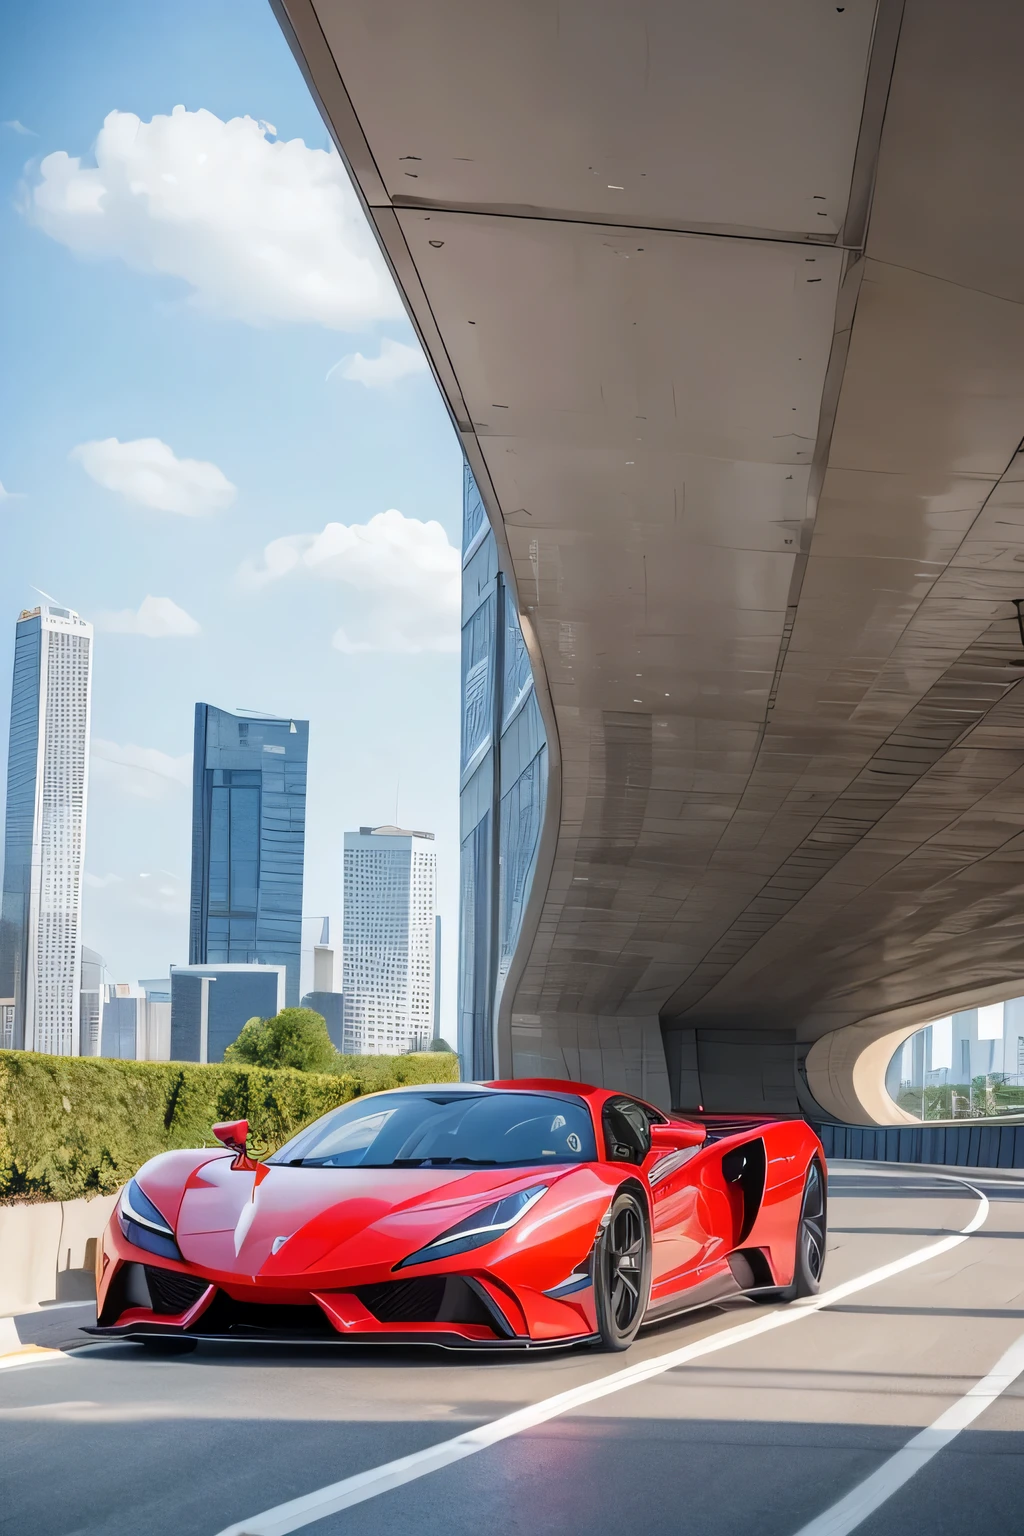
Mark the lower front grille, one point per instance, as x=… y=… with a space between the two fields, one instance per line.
x=172 y=1292
x=430 y=1299
x=258 y=1319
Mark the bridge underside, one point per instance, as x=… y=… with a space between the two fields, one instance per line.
x=727 y=303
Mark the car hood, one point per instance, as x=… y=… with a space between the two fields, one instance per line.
x=230 y=1218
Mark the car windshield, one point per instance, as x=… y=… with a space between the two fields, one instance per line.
x=433 y=1130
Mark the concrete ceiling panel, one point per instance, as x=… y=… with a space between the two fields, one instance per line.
x=580 y=334
x=951 y=165
x=607 y=108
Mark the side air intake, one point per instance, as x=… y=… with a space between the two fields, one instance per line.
x=746 y=1167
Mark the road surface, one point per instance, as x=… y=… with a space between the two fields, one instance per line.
x=799 y=1421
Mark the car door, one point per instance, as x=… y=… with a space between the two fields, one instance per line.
x=679 y=1234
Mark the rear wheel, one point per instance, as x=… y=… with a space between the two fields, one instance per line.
x=811 y=1231
x=622 y=1272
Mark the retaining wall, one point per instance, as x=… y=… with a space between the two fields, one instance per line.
x=48 y=1251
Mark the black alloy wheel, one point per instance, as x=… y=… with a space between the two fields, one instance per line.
x=811 y=1232
x=622 y=1272
x=810 y=1237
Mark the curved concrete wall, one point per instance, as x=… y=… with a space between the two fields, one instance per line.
x=845 y=1068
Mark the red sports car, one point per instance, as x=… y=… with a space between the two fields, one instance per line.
x=499 y=1215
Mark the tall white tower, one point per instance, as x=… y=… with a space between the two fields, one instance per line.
x=388 y=948
x=47 y=788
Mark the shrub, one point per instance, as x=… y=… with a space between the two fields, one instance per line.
x=440 y=1045
x=72 y=1125
x=295 y=1037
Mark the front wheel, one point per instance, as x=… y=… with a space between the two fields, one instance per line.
x=811 y=1232
x=622 y=1272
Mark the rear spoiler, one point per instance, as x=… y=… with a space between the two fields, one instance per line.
x=720 y=1126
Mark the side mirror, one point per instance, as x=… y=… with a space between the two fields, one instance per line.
x=676 y=1136
x=235 y=1135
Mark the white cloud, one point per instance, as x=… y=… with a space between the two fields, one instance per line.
x=395 y=361
x=262 y=231
x=149 y=473
x=159 y=618
x=16 y=127
x=403 y=580
x=6 y=495
x=128 y=912
x=100 y=882
x=169 y=894
x=142 y=772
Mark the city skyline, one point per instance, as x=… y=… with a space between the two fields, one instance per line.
x=255 y=502
x=247 y=909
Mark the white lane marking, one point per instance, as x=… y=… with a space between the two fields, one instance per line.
x=284 y=1518
x=851 y=1169
x=899 y=1469
x=15 y=1353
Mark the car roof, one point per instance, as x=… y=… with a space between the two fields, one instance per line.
x=547 y=1085
x=523 y=1085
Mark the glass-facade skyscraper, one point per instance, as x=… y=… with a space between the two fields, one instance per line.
x=248 y=838
x=388 y=941
x=502 y=786
x=44 y=839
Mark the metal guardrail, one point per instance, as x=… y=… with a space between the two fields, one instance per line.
x=959 y=1146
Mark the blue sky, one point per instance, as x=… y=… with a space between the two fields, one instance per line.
x=172 y=307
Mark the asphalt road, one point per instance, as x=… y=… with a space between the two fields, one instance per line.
x=770 y=1418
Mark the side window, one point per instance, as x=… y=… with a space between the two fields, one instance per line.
x=627 y=1131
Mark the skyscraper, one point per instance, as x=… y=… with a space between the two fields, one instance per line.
x=388 y=944
x=436 y=1032
x=502 y=787
x=47 y=784
x=248 y=836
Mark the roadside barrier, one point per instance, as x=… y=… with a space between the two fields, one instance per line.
x=958 y=1146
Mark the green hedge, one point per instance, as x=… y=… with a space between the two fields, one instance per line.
x=72 y=1126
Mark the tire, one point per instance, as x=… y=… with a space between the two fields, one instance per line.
x=811 y=1232
x=622 y=1272
x=167 y=1346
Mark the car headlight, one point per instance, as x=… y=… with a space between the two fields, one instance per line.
x=484 y=1226
x=143 y=1225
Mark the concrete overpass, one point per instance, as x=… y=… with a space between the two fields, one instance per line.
x=726 y=304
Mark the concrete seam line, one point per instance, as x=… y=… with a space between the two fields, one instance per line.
x=863 y=1500
x=291 y=1516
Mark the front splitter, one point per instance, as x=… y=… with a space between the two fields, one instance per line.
x=361 y=1340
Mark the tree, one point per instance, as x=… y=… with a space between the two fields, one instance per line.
x=440 y=1045
x=295 y=1037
